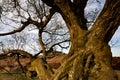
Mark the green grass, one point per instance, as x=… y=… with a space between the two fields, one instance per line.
x=35 y=78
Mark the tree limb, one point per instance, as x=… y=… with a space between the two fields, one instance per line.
x=60 y=43
x=15 y=51
x=40 y=25
x=17 y=30
x=108 y=21
x=18 y=60
x=78 y=9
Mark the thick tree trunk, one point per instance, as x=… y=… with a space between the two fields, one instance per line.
x=101 y=68
x=90 y=55
x=89 y=62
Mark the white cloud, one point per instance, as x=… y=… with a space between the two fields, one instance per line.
x=115 y=51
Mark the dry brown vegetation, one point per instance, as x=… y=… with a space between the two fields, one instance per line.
x=11 y=65
x=11 y=70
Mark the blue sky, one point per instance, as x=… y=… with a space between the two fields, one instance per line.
x=116 y=39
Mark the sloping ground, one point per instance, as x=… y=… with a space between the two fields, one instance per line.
x=116 y=63
x=55 y=62
x=10 y=65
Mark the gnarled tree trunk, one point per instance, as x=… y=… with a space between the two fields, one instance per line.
x=90 y=55
x=91 y=61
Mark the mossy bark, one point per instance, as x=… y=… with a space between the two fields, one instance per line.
x=42 y=70
x=91 y=61
x=90 y=55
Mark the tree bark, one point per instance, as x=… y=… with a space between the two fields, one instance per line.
x=90 y=55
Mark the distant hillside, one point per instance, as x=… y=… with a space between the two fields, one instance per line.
x=11 y=65
x=116 y=63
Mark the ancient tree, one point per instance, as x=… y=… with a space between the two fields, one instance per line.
x=90 y=56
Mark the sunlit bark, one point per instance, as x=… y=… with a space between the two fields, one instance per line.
x=90 y=56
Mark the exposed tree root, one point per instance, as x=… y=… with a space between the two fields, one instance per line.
x=84 y=67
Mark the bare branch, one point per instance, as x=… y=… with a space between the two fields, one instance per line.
x=59 y=44
x=30 y=21
x=15 y=51
x=17 y=30
x=18 y=60
x=42 y=44
x=0 y=11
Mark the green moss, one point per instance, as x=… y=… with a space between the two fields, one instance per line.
x=35 y=78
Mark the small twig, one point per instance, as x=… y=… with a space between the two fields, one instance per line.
x=18 y=60
x=4 y=69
